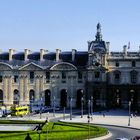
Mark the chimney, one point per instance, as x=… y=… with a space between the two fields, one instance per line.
x=107 y=47
x=26 y=53
x=42 y=52
x=58 y=51
x=11 y=52
x=125 y=50
x=73 y=54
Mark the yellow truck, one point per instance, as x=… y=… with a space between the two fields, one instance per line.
x=19 y=110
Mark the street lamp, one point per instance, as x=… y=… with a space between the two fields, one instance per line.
x=82 y=101
x=64 y=113
x=53 y=106
x=40 y=108
x=47 y=122
x=70 y=108
x=39 y=130
x=88 y=127
x=129 y=113
x=91 y=105
x=31 y=103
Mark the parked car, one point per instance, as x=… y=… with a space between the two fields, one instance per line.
x=136 y=138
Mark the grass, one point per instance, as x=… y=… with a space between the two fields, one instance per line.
x=58 y=131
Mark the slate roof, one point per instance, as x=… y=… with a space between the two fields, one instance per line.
x=81 y=58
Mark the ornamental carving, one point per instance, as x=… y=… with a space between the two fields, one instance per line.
x=63 y=67
x=31 y=67
x=4 y=67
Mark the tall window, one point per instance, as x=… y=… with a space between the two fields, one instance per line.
x=1 y=78
x=117 y=75
x=97 y=74
x=15 y=78
x=80 y=75
x=133 y=64
x=133 y=75
x=117 y=64
x=47 y=76
x=63 y=77
x=31 y=76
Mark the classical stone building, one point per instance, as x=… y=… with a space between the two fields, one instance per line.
x=110 y=79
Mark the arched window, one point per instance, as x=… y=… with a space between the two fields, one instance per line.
x=32 y=95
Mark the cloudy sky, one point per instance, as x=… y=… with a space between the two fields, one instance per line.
x=68 y=24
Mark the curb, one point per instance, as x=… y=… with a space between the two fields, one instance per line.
x=98 y=138
x=116 y=126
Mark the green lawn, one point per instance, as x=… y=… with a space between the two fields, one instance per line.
x=58 y=131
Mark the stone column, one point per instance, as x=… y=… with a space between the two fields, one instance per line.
x=26 y=91
x=10 y=92
x=21 y=85
x=41 y=83
x=72 y=94
x=37 y=87
x=5 y=89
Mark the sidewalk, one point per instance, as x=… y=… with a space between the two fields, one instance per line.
x=113 y=118
x=116 y=118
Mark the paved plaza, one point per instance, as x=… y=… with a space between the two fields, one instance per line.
x=113 y=117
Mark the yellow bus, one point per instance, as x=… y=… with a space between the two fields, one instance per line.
x=19 y=110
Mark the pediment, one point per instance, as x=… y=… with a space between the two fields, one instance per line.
x=63 y=66
x=5 y=66
x=30 y=66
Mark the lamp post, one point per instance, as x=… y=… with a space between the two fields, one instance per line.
x=47 y=122
x=82 y=100
x=70 y=108
x=32 y=100
x=53 y=106
x=64 y=113
x=91 y=105
x=39 y=130
x=129 y=113
x=40 y=107
x=88 y=127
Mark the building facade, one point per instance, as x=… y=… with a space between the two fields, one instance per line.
x=110 y=79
